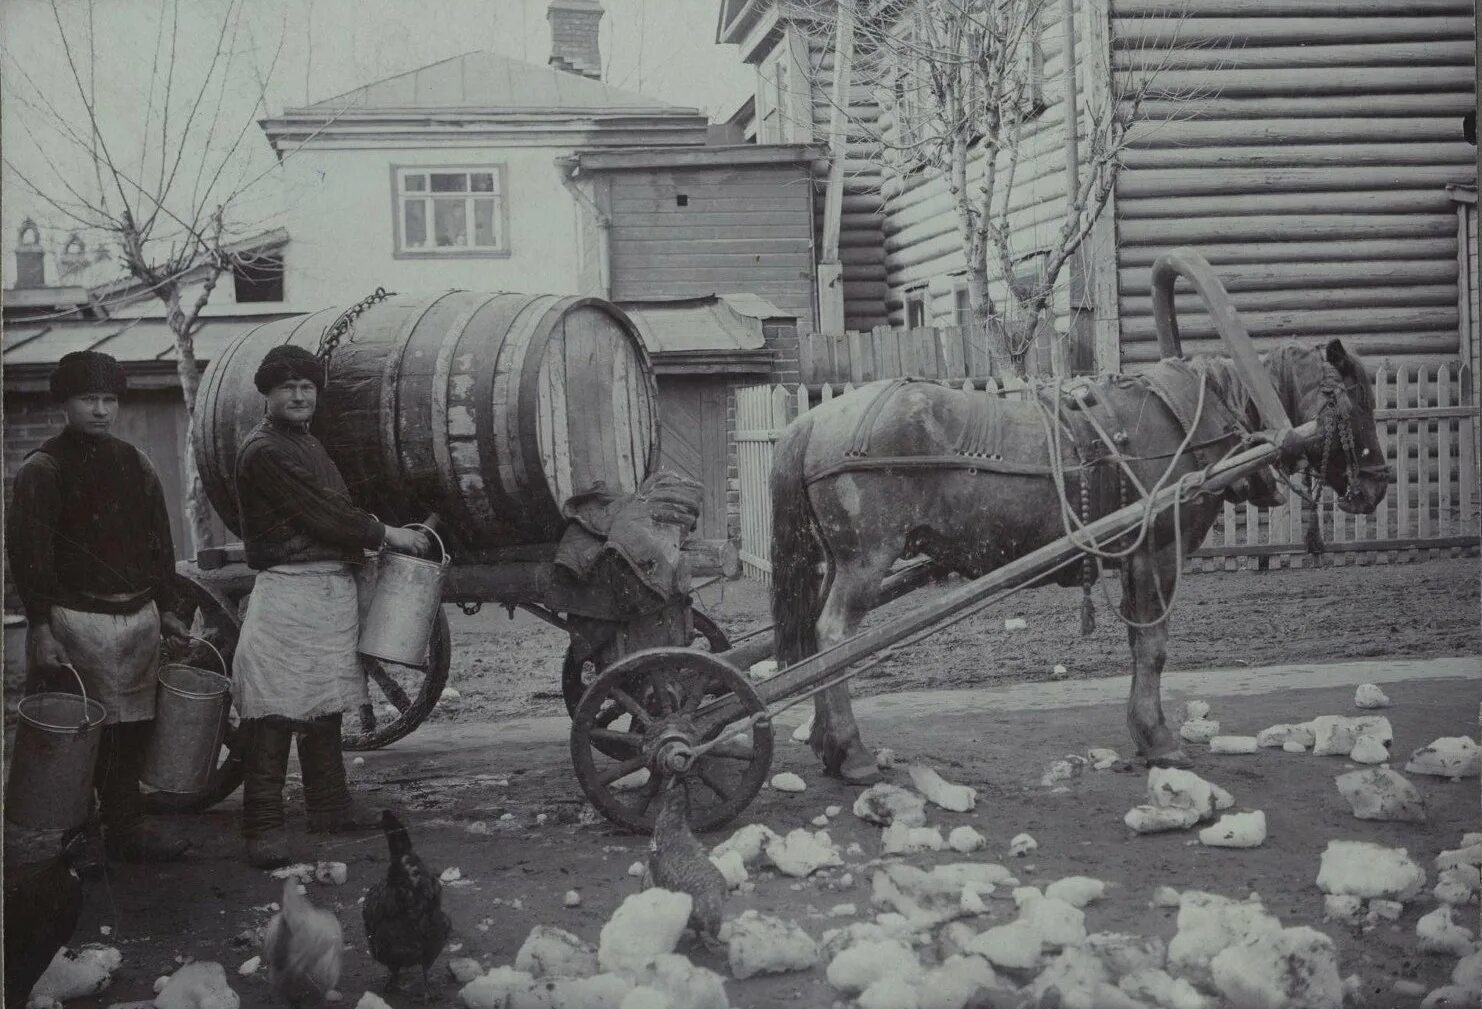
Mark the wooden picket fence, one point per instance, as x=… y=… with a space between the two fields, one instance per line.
x=1428 y=424
x=858 y=356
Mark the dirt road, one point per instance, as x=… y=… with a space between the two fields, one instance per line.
x=998 y=740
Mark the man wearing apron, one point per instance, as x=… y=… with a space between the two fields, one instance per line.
x=92 y=558
x=296 y=667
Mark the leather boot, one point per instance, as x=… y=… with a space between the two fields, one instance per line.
x=332 y=810
x=126 y=836
x=266 y=742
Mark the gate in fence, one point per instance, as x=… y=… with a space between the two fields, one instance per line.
x=1428 y=423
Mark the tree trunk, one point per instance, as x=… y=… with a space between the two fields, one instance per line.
x=197 y=508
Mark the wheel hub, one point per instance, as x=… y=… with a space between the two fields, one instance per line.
x=669 y=746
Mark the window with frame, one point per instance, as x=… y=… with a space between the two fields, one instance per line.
x=450 y=211
x=915 y=309
x=962 y=308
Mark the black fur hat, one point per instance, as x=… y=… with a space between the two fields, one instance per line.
x=87 y=371
x=286 y=362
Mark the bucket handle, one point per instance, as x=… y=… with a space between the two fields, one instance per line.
x=219 y=657
x=84 y=725
x=440 y=547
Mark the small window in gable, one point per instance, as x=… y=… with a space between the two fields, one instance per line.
x=450 y=211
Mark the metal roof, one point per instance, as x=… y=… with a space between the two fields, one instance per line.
x=718 y=323
x=484 y=81
x=130 y=341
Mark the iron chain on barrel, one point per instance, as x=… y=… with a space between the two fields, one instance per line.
x=345 y=322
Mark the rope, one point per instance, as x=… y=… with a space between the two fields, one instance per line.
x=1101 y=552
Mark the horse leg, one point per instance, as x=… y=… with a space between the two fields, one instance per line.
x=835 y=735
x=1143 y=574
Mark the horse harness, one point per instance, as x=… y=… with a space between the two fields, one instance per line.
x=1088 y=420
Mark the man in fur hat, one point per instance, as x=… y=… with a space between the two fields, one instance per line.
x=296 y=667
x=92 y=558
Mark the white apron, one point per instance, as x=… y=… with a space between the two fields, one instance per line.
x=296 y=657
x=118 y=657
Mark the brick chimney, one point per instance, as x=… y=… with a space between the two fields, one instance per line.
x=30 y=257
x=574 y=36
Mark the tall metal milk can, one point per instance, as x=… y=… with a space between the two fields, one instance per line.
x=397 y=625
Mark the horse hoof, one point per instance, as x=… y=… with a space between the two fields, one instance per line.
x=859 y=768
x=1171 y=758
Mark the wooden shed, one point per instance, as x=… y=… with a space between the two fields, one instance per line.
x=685 y=222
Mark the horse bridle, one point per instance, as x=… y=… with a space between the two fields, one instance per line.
x=1334 y=423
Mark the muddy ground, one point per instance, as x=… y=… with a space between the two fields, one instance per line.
x=463 y=769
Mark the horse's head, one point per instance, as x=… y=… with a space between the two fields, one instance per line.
x=1330 y=386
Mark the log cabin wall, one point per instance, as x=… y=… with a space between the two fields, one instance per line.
x=922 y=242
x=1310 y=168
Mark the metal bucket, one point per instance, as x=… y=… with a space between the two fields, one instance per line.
x=397 y=625
x=50 y=786
x=190 y=716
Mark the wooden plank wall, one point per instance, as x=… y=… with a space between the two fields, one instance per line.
x=1309 y=167
x=1428 y=426
x=861 y=242
x=742 y=230
x=922 y=240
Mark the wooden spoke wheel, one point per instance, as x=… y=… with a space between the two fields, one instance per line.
x=647 y=703
x=217 y=621
x=577 y=676
x=401 y=696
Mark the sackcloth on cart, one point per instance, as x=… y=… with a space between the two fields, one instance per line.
x=296 y=656
x=117 y=656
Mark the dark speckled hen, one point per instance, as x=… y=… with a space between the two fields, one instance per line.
x=404 y=920
x=42 y=903
x=678 y=861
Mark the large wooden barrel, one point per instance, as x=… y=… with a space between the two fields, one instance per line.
x=490 y=409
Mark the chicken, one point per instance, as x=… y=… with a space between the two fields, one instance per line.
x=677 y=861
x=303 y=949
x=42 y=903
x=405 y=924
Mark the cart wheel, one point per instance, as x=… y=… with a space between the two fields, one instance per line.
x=576 y=676
x=660 y=689
x=412 y=690
x=208 y=618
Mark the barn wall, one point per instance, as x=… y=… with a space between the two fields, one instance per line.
x=744 y=230
x=1307 y=162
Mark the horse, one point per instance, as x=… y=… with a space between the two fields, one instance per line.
x=974 y=480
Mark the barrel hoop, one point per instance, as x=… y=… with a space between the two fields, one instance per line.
x=504 y=510
x=398 y=492
x=463 y=515
x=504 y=447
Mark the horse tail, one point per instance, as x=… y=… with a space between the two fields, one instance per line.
x=797 y=550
